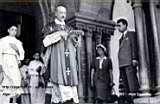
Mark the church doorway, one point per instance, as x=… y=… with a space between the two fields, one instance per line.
x=26 y=25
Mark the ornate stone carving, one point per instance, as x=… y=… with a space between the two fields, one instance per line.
x=91 y=27
x=136 y=3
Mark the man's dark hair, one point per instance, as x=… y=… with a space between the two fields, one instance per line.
x=124 y=21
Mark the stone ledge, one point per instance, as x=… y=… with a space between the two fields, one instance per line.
x=147 y=100
x=141 y=100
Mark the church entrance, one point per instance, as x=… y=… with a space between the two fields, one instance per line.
x=28 y=24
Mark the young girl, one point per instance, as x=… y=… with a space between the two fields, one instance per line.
x=11 y=54
x=102 y=72
x=36 y=69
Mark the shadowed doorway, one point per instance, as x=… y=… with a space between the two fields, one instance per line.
x=26 y=25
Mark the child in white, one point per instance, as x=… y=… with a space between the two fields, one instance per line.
x=36 y=69
x=11 y=53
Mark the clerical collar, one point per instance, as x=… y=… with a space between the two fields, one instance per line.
x=104 y=58
x=59 y=22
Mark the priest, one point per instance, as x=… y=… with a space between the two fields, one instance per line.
x=60 y=58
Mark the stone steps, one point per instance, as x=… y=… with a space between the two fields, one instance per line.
x=117 y=103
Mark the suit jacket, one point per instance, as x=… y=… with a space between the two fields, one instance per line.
x=128 y=49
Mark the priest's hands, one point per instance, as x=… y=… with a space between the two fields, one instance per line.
x=63 y=34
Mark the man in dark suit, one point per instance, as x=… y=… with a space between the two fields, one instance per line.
x=127 y=61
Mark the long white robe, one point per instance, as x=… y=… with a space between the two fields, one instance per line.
x=9 y=59
x=37 y=93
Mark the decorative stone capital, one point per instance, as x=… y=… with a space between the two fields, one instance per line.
x=136 y=3
x=89 y=24
x=91 y=28
x=88 y=34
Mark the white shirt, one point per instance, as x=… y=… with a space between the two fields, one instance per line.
x=5 y=47
x=101 y=59
x=34 y=65
x=125 y=32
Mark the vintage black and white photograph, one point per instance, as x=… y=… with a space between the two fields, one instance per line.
x=79 y=52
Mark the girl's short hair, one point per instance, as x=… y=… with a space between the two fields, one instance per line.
x=101 y=46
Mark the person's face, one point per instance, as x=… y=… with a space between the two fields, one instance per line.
x=26 y=61
x=12 y=31
x=36 y=56
x=100 y=51
x=121 y=27
x=61 y=13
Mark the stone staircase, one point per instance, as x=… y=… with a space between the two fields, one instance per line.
x=148 y=100
x=141 y=100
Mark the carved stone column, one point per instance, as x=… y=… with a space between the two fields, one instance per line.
x=156 y=41
x=88 y=41
x=143 y=47
x=82 y=77
x=44 y=12
x=19 y=24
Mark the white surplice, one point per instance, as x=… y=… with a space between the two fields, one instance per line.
x=9 y=59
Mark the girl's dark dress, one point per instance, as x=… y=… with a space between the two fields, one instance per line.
x=102 y=78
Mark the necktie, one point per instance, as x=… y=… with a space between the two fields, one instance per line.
x=121 y=39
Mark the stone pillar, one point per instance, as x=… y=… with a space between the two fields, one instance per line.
x=44 y=11
x=156 y=41
x=18 y=30
x=143 y=48
x=19 y=21
x=88 y=41
x=81 y=73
